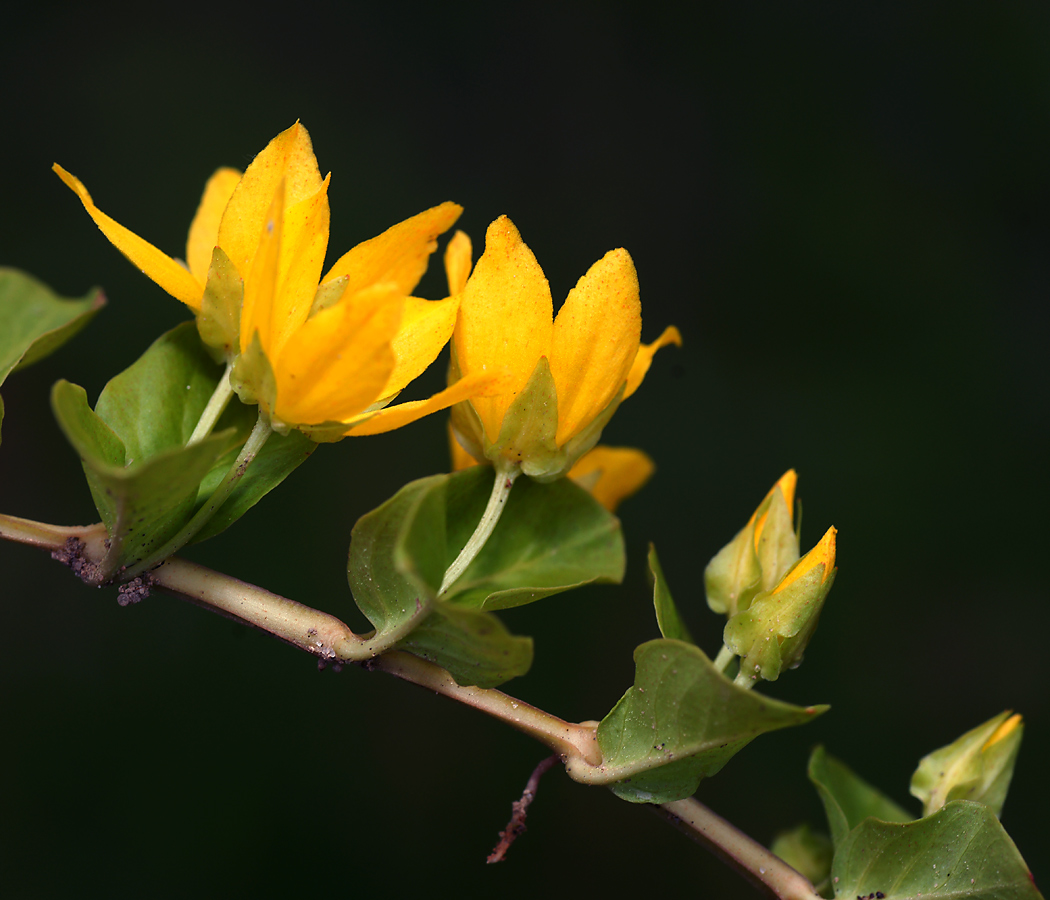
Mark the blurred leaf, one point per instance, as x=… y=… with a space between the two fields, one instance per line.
x=806 y=851
x=474 y=646
x=667 y=617
x=34 y=321
x=144 y=504
x=681 y=722
x=848 y=799
x=961 y=852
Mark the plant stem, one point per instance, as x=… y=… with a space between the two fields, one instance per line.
x=328 y=638
x=762 y=867
x=505 y=476
x=219 y=398
x=251 y=448
x=724 y=658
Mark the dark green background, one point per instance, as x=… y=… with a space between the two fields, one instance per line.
x=846 y=210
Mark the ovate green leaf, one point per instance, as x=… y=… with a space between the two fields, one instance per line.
x=848 y=799
x=681 y=722
x=34 y=321
x=960 y=852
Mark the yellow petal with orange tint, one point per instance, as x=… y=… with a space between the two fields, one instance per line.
x=505 y=318
x=617 y=472
x=304 y=241
x=822 y=554
x=260 y=283
x=458 y=260
x=595 y=341
x=204 y=229
x=467 y=388
x=288 y=158
x=160 y=267
x=335 y=365
x=644 y=358
x=787 y=483
x=400 y=254
x=426 y=326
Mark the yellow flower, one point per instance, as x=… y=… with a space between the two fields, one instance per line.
x=565 y=376
x=324 y=358
x=610 y=474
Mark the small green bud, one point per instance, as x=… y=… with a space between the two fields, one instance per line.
x=978 y=766
x=771 y=635
x=760 y=554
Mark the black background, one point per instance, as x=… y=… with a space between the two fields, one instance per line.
x=844 y=207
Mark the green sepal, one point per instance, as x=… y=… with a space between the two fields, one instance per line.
x=682 y=721
x=219 y=318
x=734 y=575
x=253 y=380
x=772 y=633
x=667 y=615
x=142 y=504
x=530 y=424
x=329 y=432
x=960 y=852
x=848 y=799
x=807 y=851
x=473 y=646
x=778 y=547
x=35 y=321
x=329 y=294
x=968 y=769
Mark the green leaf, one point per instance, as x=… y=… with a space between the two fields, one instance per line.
x=138 y=432
x=681 y=722
x=474 y=646
x=667 y=616
x=551 y=538
x=34 y=321
x=806 y=851
x=848 y=799
x=144 y=504
x=961 y=852
x=392 y=595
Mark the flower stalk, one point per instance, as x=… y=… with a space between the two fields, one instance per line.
x=504 y=481
x=220 y=398
x=258 y=437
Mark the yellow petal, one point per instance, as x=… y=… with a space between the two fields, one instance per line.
x=400 y=254
x=304 y=240
x=460 y=458
x=822 y=554
x=289 y=157
x=160 y=267
x=204 y=230
x=505 y=318
x=617 y=472
x=1002 y=731
x=458 y=260
x=426 y=326
x=336 y=364
x=260 y=284
x=645 y=357
x=395 y=416
x=786 y=483
x=595 y=341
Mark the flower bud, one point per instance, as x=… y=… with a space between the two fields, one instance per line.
x=759 y=556
x=771 y=635
x=978 y=766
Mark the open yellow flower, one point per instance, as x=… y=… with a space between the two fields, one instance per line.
x=324 y=358
x=566 y=376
